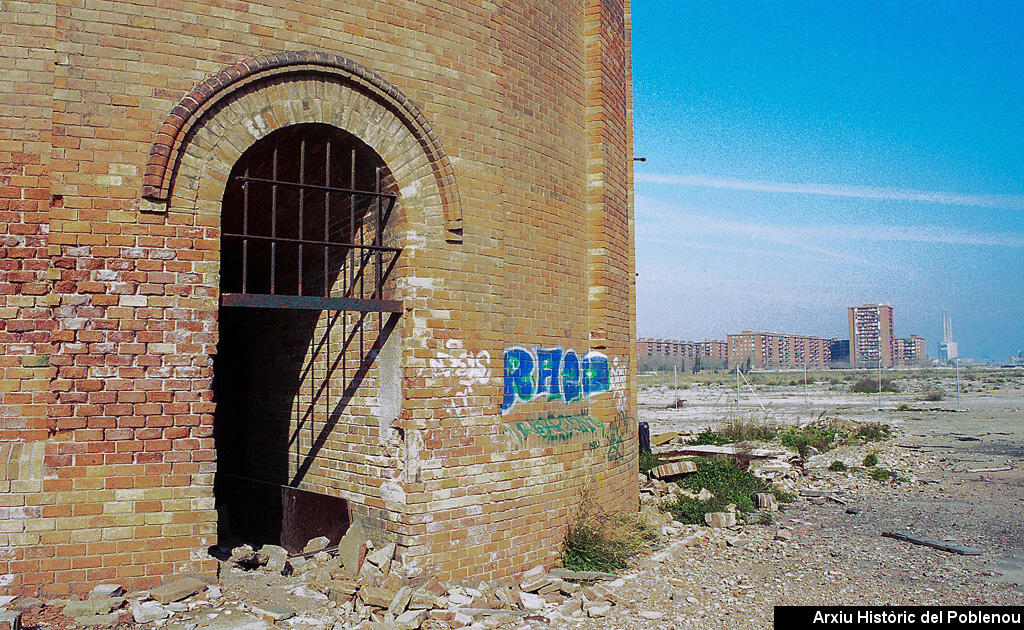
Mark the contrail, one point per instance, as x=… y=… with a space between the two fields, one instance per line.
x=1004 y=202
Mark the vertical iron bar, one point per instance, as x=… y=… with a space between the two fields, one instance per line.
x=378 y=292
x=273 y=218
x=352 y=223
x=302 y=210
x=245 y=230
x=327 y=219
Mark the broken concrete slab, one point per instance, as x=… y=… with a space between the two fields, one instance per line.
x=400 y=601
x=767 y=501
x=177 y=589
x=10 y=620
x=106 y=590
x=316 y=544
x=90 y=621
x=244 y=556
x=273 y=557
x=90 y=607
x=145 y=612
x=410 y=619
x=272 y=612
x=352 y=549
x=381 y=558
x=531 y=601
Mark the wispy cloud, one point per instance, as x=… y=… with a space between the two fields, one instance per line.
x=1004 y=202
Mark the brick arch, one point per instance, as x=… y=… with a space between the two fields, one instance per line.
x=375 y=97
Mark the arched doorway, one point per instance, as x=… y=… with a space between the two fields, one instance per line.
x=306 y=301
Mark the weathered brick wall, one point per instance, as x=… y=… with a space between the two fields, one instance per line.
x=531 y=104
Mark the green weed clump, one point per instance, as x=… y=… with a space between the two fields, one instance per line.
x=873 y=432
x=870 y=385
x=648 y=462
x=725 y=480
x=838 y=466
x=803 y=439
x=709 y=437
x=871 y=460
x=882 y=474
x=598 y=541
x=741 y=430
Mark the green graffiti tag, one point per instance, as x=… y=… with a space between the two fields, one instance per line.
x=556 y=427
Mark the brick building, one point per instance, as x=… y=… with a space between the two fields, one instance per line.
x=370 y=259
x=909 y=351
x=655 y=353
x=871 y=335
x=778 y=350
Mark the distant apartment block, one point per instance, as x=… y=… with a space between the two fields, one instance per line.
x=777 y=350
x=711 y=353
x=871 y=336
x=839 y=349
x=910 y=351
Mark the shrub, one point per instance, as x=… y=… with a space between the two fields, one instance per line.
x=933 y=395
x=873 y=432
x=750 y=431
x=870 y=385
x=838 y=466
x=708 y=437
x=871 y=460
x=598 y=541
x=802 y=439
x=723 y=479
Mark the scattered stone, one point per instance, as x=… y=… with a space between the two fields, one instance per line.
x=581 y=576
x=720 y=519
x=91 y=607
x=767 y=501
x=852 y=510
x=381 y=558
x=145 y=612
x=410 y=619
x=305 y=591
x=316 y=544
x=651 y=614
x=10 y=620
x=784 y=534
x=244 y=556
x=274 y=558
x=377 y=596
x=177 y=589
x=97 y=620
x=400 y=601
x=273 y=613
x=599 y=610
x=106 y=590
x=531 y=601
x=23 y=604
x=213 y=592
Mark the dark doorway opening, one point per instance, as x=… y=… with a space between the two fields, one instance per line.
x=305 y=304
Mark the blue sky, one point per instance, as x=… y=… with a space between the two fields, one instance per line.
x=804 y=157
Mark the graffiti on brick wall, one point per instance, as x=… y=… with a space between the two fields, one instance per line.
x=557 y=428
x=463 y=369
x=565 y=427
x=553 y=373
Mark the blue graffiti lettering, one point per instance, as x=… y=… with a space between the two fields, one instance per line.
x=555 y=373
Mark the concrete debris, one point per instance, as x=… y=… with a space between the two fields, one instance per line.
x=767 y=501
x=106 y=590
x=244 y=556
x=720 y=519
x=674 y=469
x=145 y=612
x=92 y=607
x=175 y=590
x=274 y=558
x=10 y=620
x=381 y=558
x=316 y=544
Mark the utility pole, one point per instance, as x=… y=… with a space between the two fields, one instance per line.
x=805 y=382
x=879 y=380
x=675 y=378
x=957 y=361
x=737 y=390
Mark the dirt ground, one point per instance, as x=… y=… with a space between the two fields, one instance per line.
x=835 y=553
